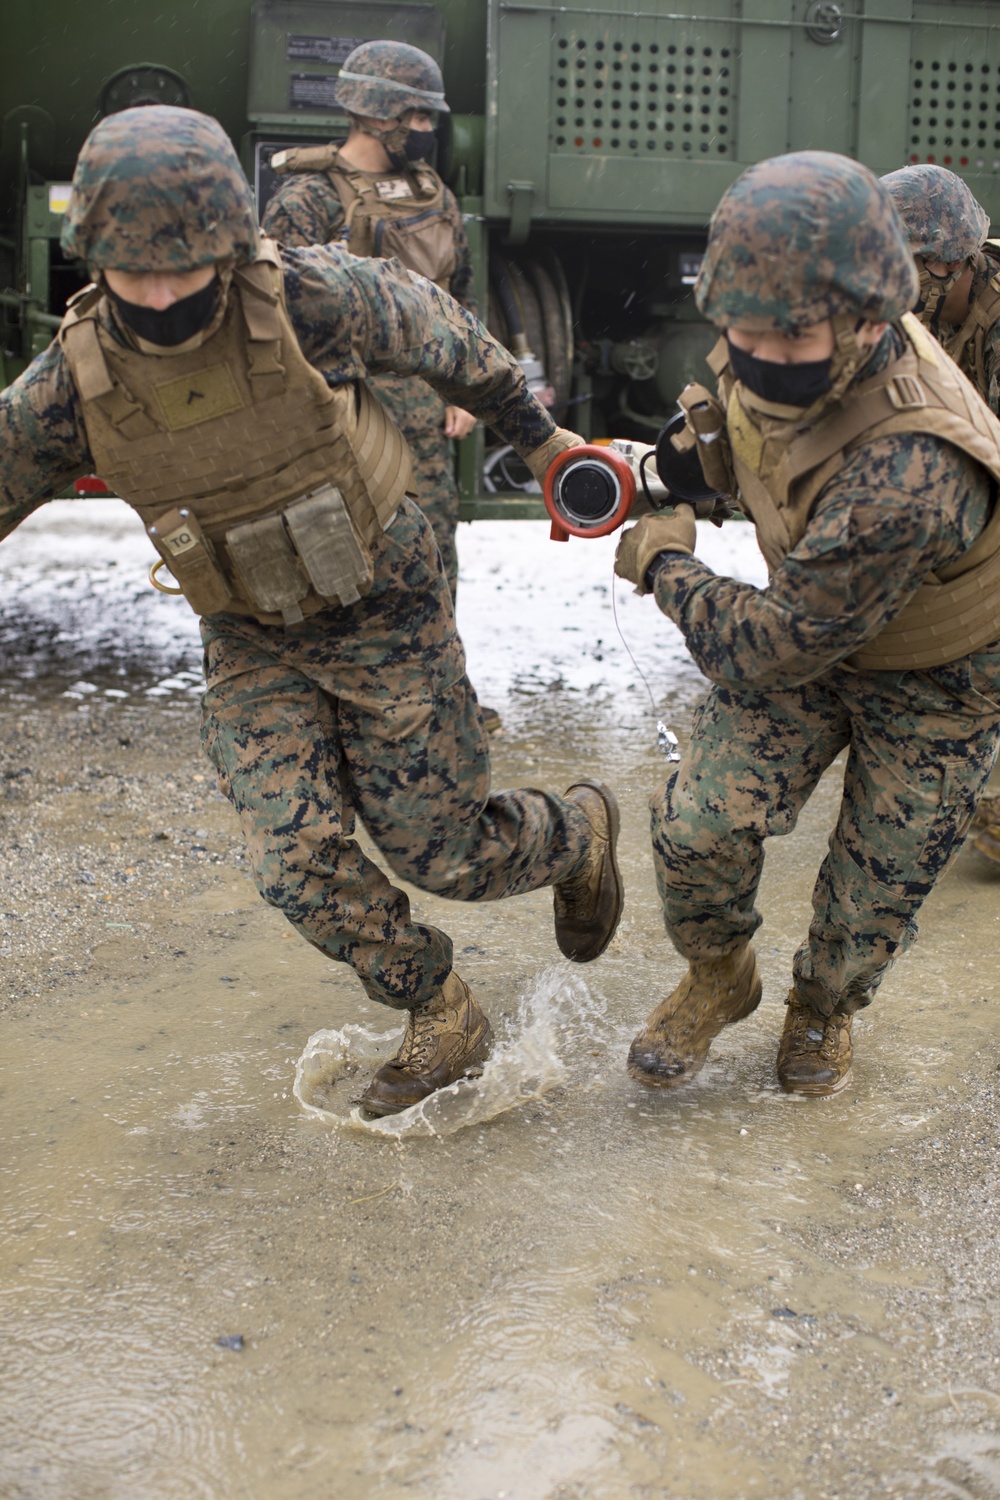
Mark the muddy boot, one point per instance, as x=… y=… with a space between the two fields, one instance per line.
x=588 y=906
x=814 y=1055
x=492 y=721
x=674 y=1042
x=444 y=1037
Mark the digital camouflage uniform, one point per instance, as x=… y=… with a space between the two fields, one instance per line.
x=921 y=745
x=363 y=707
x=305 y=209
x=945 y=222
x=785 y=699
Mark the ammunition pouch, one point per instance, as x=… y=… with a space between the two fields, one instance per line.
x=276 y=560
x=705 y=430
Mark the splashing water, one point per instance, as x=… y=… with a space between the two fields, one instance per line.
x=547 y=1045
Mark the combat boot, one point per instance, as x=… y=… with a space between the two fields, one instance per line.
x=444 y=1037
x=588 y=906
x=814 y=1055
x=674 y=1042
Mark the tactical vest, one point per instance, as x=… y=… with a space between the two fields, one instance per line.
x=966 y=344
x=782 y=466
x=262 y=489
x=398 y=213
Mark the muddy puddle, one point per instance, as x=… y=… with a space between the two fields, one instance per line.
x=217 y=1281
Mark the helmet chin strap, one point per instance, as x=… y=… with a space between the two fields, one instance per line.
x=847 y=359
x=849 y=356
x=934 y=290
x=392 y=138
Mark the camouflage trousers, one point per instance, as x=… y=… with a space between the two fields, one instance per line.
x=367 y=709
x=419 y=414
x=921 y=746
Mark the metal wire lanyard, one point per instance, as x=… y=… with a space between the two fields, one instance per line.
x=666 y=740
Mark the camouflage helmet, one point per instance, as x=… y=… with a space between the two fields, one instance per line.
x=383 y=80
x=159 y=188
x=940 y=215
x=801 y=238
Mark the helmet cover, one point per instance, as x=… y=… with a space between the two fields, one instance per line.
x=159 y=188
x=942 y=218
x=801 y=238
x=383 y=80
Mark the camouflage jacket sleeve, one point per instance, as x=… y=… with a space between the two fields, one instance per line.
x=303 y=210
x=902 y=507
x=373 y=317
x=43 y=444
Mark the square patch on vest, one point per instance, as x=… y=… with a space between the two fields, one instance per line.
x=393 y=187
x=199 y=397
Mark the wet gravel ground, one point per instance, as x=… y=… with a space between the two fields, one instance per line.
x=110 y=824
x=929 y=1213
x=109 y=820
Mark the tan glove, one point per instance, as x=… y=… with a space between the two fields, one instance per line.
x=648 y=538
x=539 y=459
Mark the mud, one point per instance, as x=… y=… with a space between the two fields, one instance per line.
x=216 y=1281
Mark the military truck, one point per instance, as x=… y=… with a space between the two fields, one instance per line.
x=588 y=144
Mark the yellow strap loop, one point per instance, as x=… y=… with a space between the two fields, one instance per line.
x=161 y=563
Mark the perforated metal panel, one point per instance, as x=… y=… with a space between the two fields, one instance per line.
x=666 y=91
x=603 y=112
x=954 y=103
x=598 y=113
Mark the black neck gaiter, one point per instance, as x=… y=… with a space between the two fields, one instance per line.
x=785 y=385
x=418 y=144
x=176 y=324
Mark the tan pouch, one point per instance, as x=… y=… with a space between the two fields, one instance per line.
x=189 y=555
x=338 y=563
x=424 y=241
x=706 y=422
x=268 y=569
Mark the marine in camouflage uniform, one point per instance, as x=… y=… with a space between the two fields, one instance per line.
x=864 y=512
x=959 y=269
x=391 y=91
x=334 y=705
x=948 y=230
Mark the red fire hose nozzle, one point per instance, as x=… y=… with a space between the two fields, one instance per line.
x=589 y=491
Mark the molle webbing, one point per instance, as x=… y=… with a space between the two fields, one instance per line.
x=234 y=431
x=401 y=213
x=782 y=470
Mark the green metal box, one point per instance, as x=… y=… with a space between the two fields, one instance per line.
x=601 y=113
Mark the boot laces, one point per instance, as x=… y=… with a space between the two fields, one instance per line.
x=419 y=1043
x=818 y=1033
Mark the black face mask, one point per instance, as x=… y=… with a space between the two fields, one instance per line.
x=786 y=385
x=418 y=144
x=176 y=324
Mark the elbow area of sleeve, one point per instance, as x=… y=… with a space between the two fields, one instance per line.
x=679 y=577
